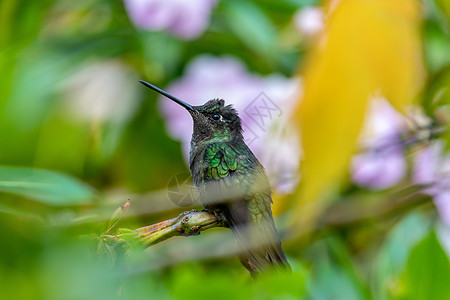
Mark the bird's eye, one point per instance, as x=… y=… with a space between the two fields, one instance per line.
x=216 y=117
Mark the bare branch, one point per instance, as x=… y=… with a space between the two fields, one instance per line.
x=347 y=213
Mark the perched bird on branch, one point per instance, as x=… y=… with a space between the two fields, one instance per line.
x=233 y=182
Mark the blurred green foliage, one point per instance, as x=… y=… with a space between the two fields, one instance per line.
x=423 y=277
x=61 y=176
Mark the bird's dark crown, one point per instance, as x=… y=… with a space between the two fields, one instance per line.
x=217 y=106
x=215 y=121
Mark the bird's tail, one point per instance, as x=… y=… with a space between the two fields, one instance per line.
x=258 y=242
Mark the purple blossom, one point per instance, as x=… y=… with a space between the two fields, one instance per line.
x=432 y=168
x=185 y=19
x=378 y=170
x=208 y=77
x=382 y=165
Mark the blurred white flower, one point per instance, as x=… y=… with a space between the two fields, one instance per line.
x=101 y=91
x=382 y=164
x=282 y=152
x=309 y=21
x=263 y=104
x=185 y=19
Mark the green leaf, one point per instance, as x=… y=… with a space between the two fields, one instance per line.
x=253 y=27
x=162 y=54
x=436 y=102
x=438 y=91
x=235 y=283
x=7 y=209
x=299 y=3
x=436 y=46
x=428 y=271
x=282 y=285
x=333 y=282
x=444 y=6
x=336 y=275
x=45 y=186
x=393 y=255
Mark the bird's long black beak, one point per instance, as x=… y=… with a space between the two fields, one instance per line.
x=164 y=93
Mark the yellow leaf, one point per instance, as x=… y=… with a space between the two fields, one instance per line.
x=369 y=47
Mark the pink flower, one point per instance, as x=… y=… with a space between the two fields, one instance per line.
x=382 y=165
x=185 y=19
x=378 y=171
x=263 y=104
x=432 y=168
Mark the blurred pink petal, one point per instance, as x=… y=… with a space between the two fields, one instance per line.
x=383 y=126
x=383 y=164
x=427 y=164
x=186 y=19
x=432 y=167
x=378 y=171
x=442 y=202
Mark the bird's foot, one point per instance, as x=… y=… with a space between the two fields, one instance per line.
x=218 y=216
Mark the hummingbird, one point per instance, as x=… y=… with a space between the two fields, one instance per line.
x=234 y=183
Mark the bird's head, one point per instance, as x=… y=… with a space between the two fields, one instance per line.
x=213 y=121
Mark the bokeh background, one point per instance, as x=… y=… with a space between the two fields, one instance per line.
x=346 y=104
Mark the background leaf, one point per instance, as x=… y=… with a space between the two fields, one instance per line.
x=48 y=187
x=250 y=23
x=428 y=270
x=444 y=5
x=335 y=275
x=393 y=255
